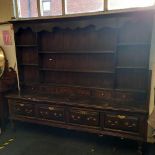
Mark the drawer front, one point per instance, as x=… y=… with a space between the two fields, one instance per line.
x=23 y=108
x=121 y=122
x=104 y=94
x=51 y=112
x=84 y=117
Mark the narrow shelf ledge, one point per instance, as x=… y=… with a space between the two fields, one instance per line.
x=131 y=90
x=84 y=87
x=76 y=70
x=29 y=65
x=33 y=45
x=134 y=44
x=136 y=67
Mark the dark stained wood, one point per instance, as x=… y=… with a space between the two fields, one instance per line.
x=8 y=82
x=89 y=74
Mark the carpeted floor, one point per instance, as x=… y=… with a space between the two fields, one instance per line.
x=42 y=140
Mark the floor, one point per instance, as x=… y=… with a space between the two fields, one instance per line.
x=42 y=140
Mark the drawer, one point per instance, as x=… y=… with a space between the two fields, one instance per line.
x=51 y=112
x=84 y=117
x=121 y=122
x=22 y=108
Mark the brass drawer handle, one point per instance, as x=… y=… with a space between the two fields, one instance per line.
x=130 y=126
x=133 y=124
x=22 y=105
x=75 y=118
x=116 y=122
x=126 y=123
x=83 y=113
x=43 y=113
x=121 y=116
x=102 y=94
x=91 y=119
x=88 y=119
x=58 y=115
x=55 y=114
x=51 y=108
x=51 y=59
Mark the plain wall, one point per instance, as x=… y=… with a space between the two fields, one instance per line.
x=6 y=10
x=8 y=49
x=152 y=67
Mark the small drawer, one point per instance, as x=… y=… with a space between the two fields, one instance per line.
x=84 y=117
x=121 y=122
x=51 y=112
x=23 y=108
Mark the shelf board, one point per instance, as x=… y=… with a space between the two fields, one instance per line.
x=28 y=64
x=76 y=52
x=46 y=84
x=76 y=70
x=32 y=45
x=72 y=85
x=120 y=67
x=130 y=90
x=22 y=83
x=133 y=44
x=84 y=87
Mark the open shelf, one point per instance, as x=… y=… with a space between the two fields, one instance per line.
x=85 y=57
x=101 y=61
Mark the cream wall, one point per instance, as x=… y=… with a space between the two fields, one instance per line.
x=6 y=13
x=152 y=67
x=6 y=10
x=9 y=49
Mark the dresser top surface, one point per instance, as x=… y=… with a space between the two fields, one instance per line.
x=85 y=102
